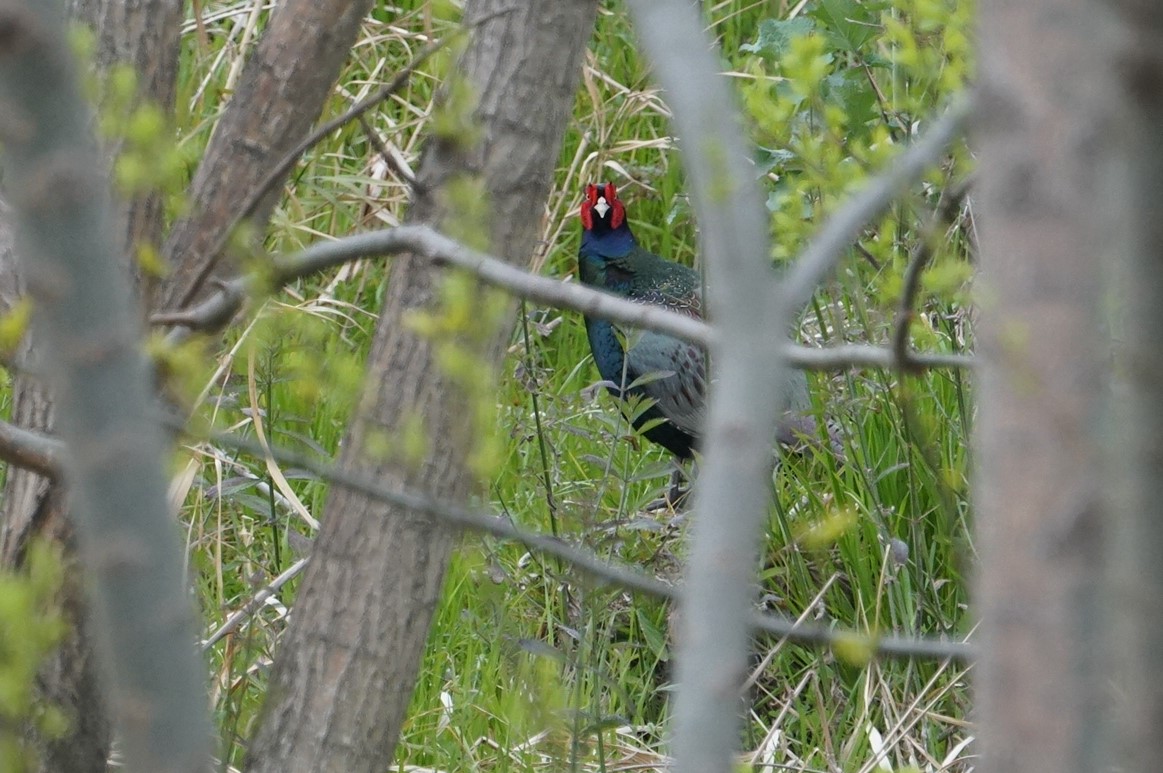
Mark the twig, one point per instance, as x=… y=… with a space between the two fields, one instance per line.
x=587 y=562
x=947 y=206
x=848 y=356
x=31 y=450
x=626 y=577
x=454 y=515
x=291 y=158
x=385 y=153
x=842 y=228
x=441 y=250
x=872 y=261
x=250 y=607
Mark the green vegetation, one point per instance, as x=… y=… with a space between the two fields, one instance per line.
x=530 y=668
x=30 y=628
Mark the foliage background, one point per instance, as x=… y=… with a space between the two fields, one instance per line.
x=529 y=668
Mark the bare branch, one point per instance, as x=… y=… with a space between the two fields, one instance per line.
x=443 y=251
x=30 y=450
x=848 y=356
x=946 y=210
x=844 y=226
x=16 y=444
x=292 y=157
x=386 y=155
x=254 y=604
x=277 y=100
x=584 y=560
x=423 y=241
x=751 y=315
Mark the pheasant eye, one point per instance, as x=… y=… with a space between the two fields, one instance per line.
x=611 y=192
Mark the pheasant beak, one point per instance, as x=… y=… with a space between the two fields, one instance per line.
x=601 y=206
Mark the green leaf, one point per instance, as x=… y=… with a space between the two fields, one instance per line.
x=636 y=405
x=650 y=424
x=655 y=638
x=851 y=90
x=652 y=376
x=773 y=159
x=776 y=34
x=847 y=24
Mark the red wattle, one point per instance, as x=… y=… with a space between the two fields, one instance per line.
x=617 y=215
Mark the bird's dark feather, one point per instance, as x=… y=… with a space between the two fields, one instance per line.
x=611 y=259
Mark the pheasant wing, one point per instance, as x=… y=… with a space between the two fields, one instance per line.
x=673 y=374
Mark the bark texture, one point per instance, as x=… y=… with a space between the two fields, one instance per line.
x=144 y=34
x=280 y=95
x=1046 y=232
x=69 y=244
x=345 y=671
x=282 y=90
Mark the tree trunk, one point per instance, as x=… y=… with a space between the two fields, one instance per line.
x=347 y=664
x=1136 y=626
x=144 y=35
x=279 y=97
x=282 y=91
x=1046 y=228
x=70 y=245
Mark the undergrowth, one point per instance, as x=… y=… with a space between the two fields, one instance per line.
x=530 y=668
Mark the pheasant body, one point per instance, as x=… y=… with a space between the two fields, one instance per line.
x=611 y=259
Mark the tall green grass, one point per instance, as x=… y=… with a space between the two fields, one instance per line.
x=529 y=667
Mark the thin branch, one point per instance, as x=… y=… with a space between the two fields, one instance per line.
x=385 y=153
x=31 y=450
x=355 y=111
x=848 y=356
x=586 y=561
x=946 y=210
x=248 y=609
x=291 y=158
x=50 y=450
x=451 y=514
x=864 y=253
x=842 y=228
x=443 y=251
x=892 y=646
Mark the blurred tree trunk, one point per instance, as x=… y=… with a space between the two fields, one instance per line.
x=1046 y=121
x=1135 y=558
x=347 y=664
x=280 y=95
x=145 y=36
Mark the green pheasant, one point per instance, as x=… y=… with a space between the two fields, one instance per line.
x=611 y=259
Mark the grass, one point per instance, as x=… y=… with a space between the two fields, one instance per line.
x=528 y=668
